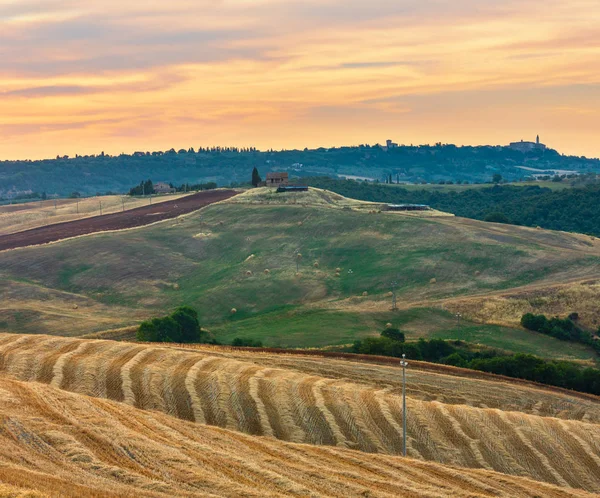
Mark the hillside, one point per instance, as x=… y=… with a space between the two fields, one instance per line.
x=215 y=260
x=92 y=174
x=55 y=443
x=298 y=400
x=550 y=205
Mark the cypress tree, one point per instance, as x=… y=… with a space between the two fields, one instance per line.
x=256 y=179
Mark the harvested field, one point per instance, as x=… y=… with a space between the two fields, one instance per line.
x=350 y=407
x=56 y=443
x=116 y=221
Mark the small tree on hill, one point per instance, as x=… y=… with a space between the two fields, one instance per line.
x=181 y=326
x=393 y=334
x=256 y=179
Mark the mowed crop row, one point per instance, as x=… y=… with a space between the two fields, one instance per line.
x=56 y=443
x=293 y=406
x=426 y=381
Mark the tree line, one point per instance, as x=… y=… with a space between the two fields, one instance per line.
x=570 y=209
x=563 y=374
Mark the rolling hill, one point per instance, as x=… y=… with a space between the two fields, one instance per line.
x=336 y=403
x=242 y=254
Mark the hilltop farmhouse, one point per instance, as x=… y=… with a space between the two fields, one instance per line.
x=277 y=179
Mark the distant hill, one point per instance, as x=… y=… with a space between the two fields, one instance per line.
x=91 y=174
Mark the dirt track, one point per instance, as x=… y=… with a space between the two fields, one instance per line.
x=116 y=221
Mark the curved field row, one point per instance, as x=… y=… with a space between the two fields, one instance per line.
x=425 y=381
x=293 y=406
x=73 y=446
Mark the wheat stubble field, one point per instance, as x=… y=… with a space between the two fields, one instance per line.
x=56 y=443
x=280 y=401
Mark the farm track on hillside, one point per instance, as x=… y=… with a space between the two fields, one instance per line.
x=264 y=399
x=117 y=221
x=56 y=443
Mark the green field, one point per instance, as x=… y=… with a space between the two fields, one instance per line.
x=215 y=260
x=306 y=328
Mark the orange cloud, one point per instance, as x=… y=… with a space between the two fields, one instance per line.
x=124 y=76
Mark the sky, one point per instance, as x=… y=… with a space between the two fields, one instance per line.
x=122 y=76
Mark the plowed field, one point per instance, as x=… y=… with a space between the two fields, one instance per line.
x=116 y=221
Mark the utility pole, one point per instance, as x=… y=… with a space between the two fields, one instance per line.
x=394 y=284
x=123 y=203
x=100 y=208
x=77 y=202
x=403 y=364
x=458 y=317
x=298 y=258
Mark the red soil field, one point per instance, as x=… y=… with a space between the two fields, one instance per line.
x=116 y=221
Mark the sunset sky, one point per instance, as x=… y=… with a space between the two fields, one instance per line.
x=121 y=76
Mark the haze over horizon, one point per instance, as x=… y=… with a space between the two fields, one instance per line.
x=115 y=77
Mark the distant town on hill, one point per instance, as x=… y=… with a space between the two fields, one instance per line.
x=227 y=166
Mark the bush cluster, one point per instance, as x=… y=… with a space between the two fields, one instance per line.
x=181 y=326
x=243 y=342
x=560 y=328
x=522 y=366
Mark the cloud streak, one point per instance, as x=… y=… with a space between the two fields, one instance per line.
x=287 y=73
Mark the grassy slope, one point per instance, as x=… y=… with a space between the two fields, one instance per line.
x=202 y=260
x=306 y=328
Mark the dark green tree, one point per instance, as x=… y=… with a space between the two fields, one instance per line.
x=256 y=179
x=497 y=218
x=393 y=334
x=187 y=318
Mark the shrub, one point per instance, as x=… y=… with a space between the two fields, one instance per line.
x=393 y=334
x=496 y=218
x=181 y=326
x=240 y=342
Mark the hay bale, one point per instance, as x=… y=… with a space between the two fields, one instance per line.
x=338 y=270
x=477 y=273
x=267 y=271
x=233 y=311
x=176 y=286
x=248 y=273
x=433 y=281
x=388 y=325
x=75 y=307
x=298 y=274
x=390 y=294
x=365 y=294
x=300 y=223
x=249 y=258
x=316 y=264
